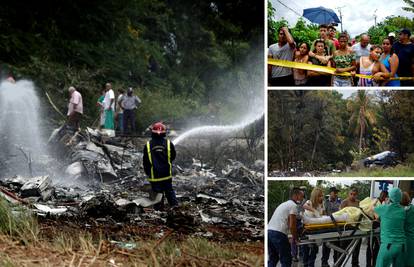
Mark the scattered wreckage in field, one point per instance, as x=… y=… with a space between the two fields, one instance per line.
x=102 y=180
x=384 y=159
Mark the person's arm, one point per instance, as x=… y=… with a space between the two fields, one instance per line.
x=312 y=73
x=307 y=206
x=333 y=48
x=112 y=99
x=412 y=65
x=145 y=161
x=311 y=54
x=343 y=204
x=269 y=67
x=119 y=102
x=110 y=103
x=329 y=64
x=292 y=226
x=137 y=101
x=382 y=73
x=289 y=37
x=394 y=62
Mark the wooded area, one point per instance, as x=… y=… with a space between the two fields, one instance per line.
x=183 y=58
x=324 y=131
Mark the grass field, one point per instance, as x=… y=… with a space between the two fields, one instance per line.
x=27 y=241
x=398 y=171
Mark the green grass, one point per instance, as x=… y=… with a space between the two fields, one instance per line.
x=17 y=222
x=399 y=171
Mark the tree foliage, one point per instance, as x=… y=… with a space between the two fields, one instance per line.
x=410 y=6
x=174 y=53
x=320 y=130
x=390 y=24
x=308 y=127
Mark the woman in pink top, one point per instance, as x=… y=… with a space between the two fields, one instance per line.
x=371 y=65
x=301 y=56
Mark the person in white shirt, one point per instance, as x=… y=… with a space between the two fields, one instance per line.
x=109 y=107
x=75 y=108
x=283 y=220
x=362 y=49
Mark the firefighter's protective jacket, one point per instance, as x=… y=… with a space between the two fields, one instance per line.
x=158 y=156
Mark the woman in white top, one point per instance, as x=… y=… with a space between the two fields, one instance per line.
x=313 y=208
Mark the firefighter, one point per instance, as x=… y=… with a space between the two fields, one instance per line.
x=158 y=156
x=393 y=240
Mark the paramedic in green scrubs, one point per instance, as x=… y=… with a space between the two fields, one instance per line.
x=393 y=241
x=409 y=229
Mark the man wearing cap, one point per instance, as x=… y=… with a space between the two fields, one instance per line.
x=405 y=52
x=391 y=37
x=129 y=104
x=159 y=153
x=332 y=204
x=75 y=108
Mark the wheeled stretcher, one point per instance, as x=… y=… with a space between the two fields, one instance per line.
x=336 y=229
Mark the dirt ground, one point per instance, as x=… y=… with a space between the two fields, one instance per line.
x=68 y=244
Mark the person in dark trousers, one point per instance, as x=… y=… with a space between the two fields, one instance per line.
x=282 y=222
x=405 y=52
x=332 y=204
x=373 y=249
x=159 y=153
x=129 y=103
x=352 y=201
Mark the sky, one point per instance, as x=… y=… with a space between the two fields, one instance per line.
x=357 y=16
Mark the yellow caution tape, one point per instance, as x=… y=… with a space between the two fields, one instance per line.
x=329 y=70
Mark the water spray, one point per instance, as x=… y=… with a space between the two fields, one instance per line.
x=212 y=130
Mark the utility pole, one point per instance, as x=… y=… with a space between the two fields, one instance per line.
x=340 y=16
x=375 y=17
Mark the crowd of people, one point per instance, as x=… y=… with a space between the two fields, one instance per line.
x=380 y=62
x=393 y=212
x=116 y=114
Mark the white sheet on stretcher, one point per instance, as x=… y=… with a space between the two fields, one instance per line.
x=324 y=219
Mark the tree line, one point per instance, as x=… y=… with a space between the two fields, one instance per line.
x=180 y=56
x=321 y=130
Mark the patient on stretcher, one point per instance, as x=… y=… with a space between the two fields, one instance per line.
x=348 y=215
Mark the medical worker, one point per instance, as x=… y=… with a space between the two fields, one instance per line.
x=409 y=229
x=393 y=241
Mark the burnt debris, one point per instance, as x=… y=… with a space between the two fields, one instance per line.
x=102 y=182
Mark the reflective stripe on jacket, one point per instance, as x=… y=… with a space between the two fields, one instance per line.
x=159 y=170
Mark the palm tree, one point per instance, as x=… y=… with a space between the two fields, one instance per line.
x=410 y=4
x=362 y=115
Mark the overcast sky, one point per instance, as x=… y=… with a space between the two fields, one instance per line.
x=357 y=16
